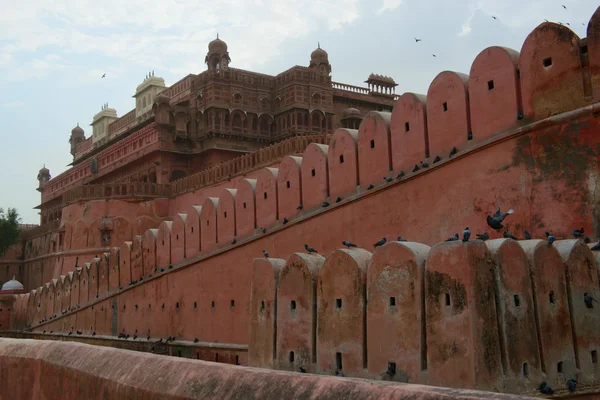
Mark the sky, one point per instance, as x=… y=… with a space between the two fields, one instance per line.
x=53 y=53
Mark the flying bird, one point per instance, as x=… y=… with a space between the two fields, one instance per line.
x=495 y=221
x=310 y=249
x=417 y=40
x=494 y=17
x=434 y=55
x=348 y=244
x=563 y=6
x=103 y=76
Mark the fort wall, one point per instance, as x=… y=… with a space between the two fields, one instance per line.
x=467 y=328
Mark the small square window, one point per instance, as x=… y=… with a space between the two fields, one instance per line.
x=372 y=143
x=547 y=62
x=594 y=357
x=288 y=184
x=244 y=205
x=195 y=305
x=338 y=303
x=392 y=301
x=525 y=370
x=262 y=305
x=265 y=195
x=291 y=356
x=447 y=296
x=232 y=303
x=313 y=172
x=490 y=85
x=517 y=300
x=559 y=367
x=406 y=126
x=445 y=105
x=293 y=304
x=341 y=159
x=224 y=214
x=551 y=297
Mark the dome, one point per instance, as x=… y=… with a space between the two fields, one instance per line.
x=217 y=45
x=351 y=113
x=77 y=131
x=44 y=171
x=13 y=284
x=319 y=54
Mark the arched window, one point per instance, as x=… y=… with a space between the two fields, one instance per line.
x=236 y=122
x=144 y=103
x=264 y=126
x=237 y=98
x=315 y=121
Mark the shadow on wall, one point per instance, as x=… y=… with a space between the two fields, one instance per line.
x=500 y=315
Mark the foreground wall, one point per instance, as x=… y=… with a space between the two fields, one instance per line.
x=56 y=370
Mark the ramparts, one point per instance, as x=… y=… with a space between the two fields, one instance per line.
x=520 y=131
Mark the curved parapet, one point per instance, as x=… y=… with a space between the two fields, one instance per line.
x=178 y=237
x=163 y=245
x=226 y=218
x=341 y=309
x=374 y=152
x=193 y=233
x=582 y=283
x=208 y=224
x=149 y=251
x=314 y=174
x=342 y=161
x=463 y=347
x=138 y=257
x=552 y=310
x=448 y=120
x=113 y=266
x=408 y=132
x=103 y=273
x=551 y=75
x=266 y=197
x=263 y=311
x=516 y=312
x=125 y=276
x=245 y=211
x=396 y=312
x=289 y=186
x=296 y=312
x=494 y=91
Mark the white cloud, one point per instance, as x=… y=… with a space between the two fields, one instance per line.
x=389 y=5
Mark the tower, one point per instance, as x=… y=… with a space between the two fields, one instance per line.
x=100 y=123
x=145 y=95
x=217 y=57
x=43 y=176
x=319 y=60
x=77 y=136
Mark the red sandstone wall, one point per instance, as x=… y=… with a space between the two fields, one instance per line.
x=521 y=165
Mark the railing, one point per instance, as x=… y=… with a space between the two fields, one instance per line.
x=179 y=87
x=39 y=230
x=25 y=227
x=117 y=190
x=246 y=163
x=350 y=88
x=122 y=123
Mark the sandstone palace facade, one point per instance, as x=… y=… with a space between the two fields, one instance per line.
x=186 y=228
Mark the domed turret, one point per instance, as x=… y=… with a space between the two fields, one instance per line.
x=12 y=285
x=77 y=136
x=319 y=60
x=351 y=112
x=43 y=175
x=218 y=56
x=162 y=99
x=351 y=118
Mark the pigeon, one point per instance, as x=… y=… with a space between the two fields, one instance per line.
x=453 y=238
x=550 y=237
x=586 y=240
x=380 y=242
x=589 y=300
x=572 y=384
x=508 y=235
x=300 y=207
x=437 y=159
x=171 y=266
x=453 y=152
x=577 y=233
x=595 y=247
x=162 y=270
x=325 y=204
x=265 y=254
x=470 y=136
x=401 y=239
x=387 y=179
x=285 y=221
x=196 y=340
x=79 y=333
x=103 y=76
x=264 y=230
x=424 y=164
x=391 y=369
x=338 y=199
x=94 y=333
x=370 y=187
x=310 y=249
x=141 y=278
x=148 y=337
x=495 y=221
x=135 y=336
x=527 y=235
x=400 y=175
x=416 y=168
x=417 y=40
x=466 y=234
x=545 y=389
x=348 y=244
x=44 y=332
x=338 y=373
x=302 y=370
x=233 y=241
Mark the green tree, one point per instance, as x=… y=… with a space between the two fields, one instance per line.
x=9 y=229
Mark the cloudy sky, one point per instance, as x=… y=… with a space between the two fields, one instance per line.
x=53 y=53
